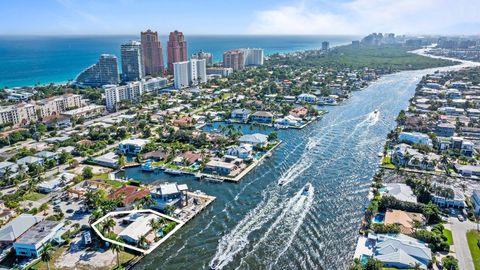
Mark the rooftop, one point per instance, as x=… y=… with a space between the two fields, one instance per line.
x=38 y=232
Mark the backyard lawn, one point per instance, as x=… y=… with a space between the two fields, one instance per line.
x=448 y=234
x=473 y=237
x=33 y=196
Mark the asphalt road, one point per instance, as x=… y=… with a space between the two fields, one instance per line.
x=459 y=232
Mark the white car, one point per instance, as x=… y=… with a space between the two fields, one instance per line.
x=460 y=217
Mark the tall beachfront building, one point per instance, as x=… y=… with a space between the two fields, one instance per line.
x=132 y=61
x=325 y=46
x=239 y=58
x=204 y=55
x=177 y=49
x=152 y=53
x=105 y=71
x=234 y=59
x=189 y=73
x=253 y=56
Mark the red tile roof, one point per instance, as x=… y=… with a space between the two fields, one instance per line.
x=129 y=194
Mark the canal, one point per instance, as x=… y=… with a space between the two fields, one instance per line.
x=257 y=224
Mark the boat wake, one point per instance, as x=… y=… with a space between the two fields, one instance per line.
x=289 y=216
x=280 y=235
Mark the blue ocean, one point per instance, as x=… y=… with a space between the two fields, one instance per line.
x=27 y=61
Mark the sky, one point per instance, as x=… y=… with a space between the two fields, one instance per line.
x=216 y=17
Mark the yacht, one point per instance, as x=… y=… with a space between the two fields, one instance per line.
x=376 y=111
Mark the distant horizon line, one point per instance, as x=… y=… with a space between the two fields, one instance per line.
x=223 y=35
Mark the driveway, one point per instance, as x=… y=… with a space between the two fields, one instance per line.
x=459 y=232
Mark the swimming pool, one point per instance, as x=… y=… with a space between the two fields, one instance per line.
x=382 y=190
x=379 y=218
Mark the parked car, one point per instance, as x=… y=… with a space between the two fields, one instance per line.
x=69 y=211
x=460 y=217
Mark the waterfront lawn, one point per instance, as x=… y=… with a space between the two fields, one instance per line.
x=125 y=259
x=104 y=177
x=33 y=196
x=449 y=236
x=387 y=162
x=473 y=237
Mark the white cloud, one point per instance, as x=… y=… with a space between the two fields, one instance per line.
x=365 y=16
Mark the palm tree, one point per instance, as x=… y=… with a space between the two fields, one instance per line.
x=108 y=224
x=155 y=225
x=44 y=207
x=416 y=266
x=47 y=254
x=116 y=247
x=142 y=242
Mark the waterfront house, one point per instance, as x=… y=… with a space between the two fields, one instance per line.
x=401 y=251
x=243 y=151
x=401 y=192
x=405 y=220
x=241 y=114
x=129 y=194
x=157 y=155
x=257 y=139
x=299 y=112
x=109 y=159
x=262 y=117
x=187 y=158
x=451 y=111
x=132 y=146
x=139 y=226
x=169 y=194
x=219 y=167
x=415 y=138
x=31 y=243
x=404 y=155
x=289 y=121
x=307 y=98
x=11 y=231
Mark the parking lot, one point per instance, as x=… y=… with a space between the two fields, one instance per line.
x=72 y=208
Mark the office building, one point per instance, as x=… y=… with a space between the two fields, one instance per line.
x=325 y=46
x=177 y=49
x=132 y=61
x=105 y=71
x=152 y=53
x=115 y=94
x=204 y=55
x=189 y=73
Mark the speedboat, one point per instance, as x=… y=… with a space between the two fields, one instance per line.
x=282 y=182
x=306 y=189
x=376 y=111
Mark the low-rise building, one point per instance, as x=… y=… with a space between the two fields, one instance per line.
x=405 y=220
x=257 y=139
x=132 y=146
x=29 y=160
x=86 y=112
x=129 y=194
x=243 y=151
x=401 y=192
x=445 y=130
x=169 y=194
x=262 y=117
x=108 y=160
x=307 y=98
x=11 y=231
x=415 y=138
x=241 y=114
x=219 y=167
x=32 y=242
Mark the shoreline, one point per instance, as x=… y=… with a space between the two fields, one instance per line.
x=462 y=64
